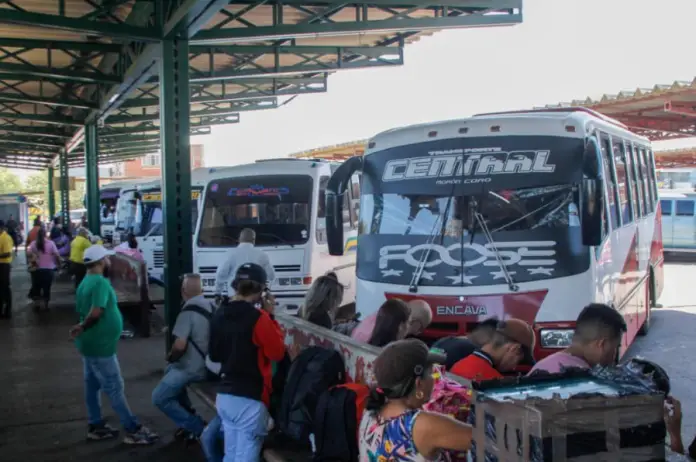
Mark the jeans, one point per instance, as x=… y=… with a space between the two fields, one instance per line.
x=104 y=373
x=245 y=424
x=171 y=398
x=5 y=290
x=211 y=440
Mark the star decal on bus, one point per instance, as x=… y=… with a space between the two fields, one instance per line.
x=427 y=275
x=540 y=270
x=501 y=274
x=391 y=272
x=462 y=279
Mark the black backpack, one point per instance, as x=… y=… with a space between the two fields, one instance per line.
x=314 y=371
x=336 y=423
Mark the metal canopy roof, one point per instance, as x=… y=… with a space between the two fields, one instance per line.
x=660 y=113
x=65 y=63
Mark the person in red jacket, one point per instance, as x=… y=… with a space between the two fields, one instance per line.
x=511 y=343
x=245 y=340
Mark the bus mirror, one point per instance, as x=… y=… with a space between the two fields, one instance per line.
x=334 y=222
x=592 y=206
x=592 y=156
x=335 y=189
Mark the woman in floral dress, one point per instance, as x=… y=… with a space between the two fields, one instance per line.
x=394 y=427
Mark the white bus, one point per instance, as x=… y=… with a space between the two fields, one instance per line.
x=530 y=214
x=149 y=227
x=282 y=200
x=127 y=205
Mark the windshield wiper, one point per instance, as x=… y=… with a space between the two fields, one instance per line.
x=415 y=280
x=489 y=237
x=275 y=236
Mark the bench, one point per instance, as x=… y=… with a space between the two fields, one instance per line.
x=129 y=278
x=300 y=334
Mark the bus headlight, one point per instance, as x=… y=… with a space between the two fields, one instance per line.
x=555 y=338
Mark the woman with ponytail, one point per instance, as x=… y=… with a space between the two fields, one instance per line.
x=394 y=426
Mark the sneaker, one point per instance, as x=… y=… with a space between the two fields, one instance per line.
x=101 y=432
x=190 y=439
x=142 y=435
x=180 y=434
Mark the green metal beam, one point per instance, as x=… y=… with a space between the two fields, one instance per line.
x=47 y=119
x=67 y=75
x=92 y=177
x=58 y=102
x=120 y=131
x=21 y=165
x=51 y=194
x=98 y=47
x=235 y=107
x=8 y=147
x=142 y=146
x=191 y=16
x=44 y=132
x=79 y=26
x=29 y=146
x=332 y=29
x=64 y=187
x=29 y=141
x=176 y=173
x=120 y=140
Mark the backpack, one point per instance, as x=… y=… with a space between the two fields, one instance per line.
x=337 y=422
x=313 y=372
x=210 y=375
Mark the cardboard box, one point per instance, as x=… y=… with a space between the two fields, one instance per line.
x=565 y=420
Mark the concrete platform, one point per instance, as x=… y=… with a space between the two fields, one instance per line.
x=42 y=411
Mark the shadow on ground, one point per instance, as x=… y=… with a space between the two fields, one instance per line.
x=42 y=412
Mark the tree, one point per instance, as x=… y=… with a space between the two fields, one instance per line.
x=9 y=182
x=39 y=182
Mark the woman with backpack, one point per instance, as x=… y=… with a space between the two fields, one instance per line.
x=46 y=258
x=394 y=426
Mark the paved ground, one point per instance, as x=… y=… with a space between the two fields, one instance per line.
x=671 y=341
x=42 y=416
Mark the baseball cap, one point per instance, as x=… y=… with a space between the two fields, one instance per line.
x=95 y=253
x=251 y=272
x=400 y=363
x=520 y=332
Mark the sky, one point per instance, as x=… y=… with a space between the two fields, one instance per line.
x=563 y=50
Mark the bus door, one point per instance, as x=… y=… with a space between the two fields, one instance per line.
x=683 y=229
x=666 y=208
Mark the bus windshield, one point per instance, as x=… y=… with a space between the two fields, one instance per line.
x=151 y=223
x=503 y=210
x=277 y=207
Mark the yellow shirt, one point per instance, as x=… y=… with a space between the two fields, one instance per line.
x=77 y=249
x=6 y=246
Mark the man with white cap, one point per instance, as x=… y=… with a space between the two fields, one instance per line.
x=96 y=338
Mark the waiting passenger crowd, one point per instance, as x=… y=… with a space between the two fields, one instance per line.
x=236 y=341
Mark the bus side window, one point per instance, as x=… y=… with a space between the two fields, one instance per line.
x=635 y=181
x=610 y=181
x=622 y=182
x=651 y=170
x=684 y=209
x=666 y=206
x=645 y=182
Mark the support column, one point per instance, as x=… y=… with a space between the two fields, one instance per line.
x=51 y=195
x=92 y=176
x=64 y=187
x=176 y=173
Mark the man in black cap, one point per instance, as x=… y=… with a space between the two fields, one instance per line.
x=246 y=341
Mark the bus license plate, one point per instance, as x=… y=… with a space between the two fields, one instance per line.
x=208 y=283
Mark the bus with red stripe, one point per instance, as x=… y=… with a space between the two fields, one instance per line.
x=527 y=214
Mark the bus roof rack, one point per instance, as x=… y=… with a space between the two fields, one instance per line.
x=586 y=110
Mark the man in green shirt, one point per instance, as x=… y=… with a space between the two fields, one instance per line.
x=96 y=338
